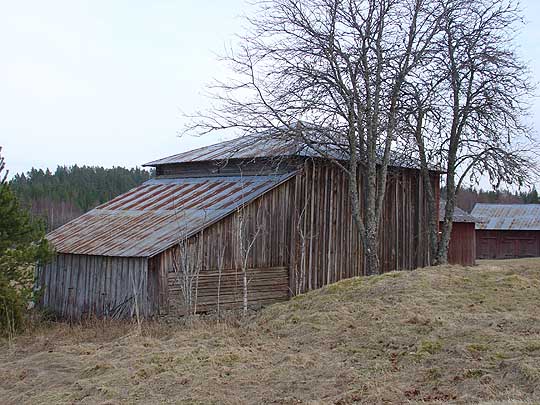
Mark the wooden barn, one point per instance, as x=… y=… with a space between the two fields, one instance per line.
x=268 y=210
x=462 y=248
x=507 y=230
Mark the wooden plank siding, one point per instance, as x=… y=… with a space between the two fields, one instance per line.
x=325 y=244
x=266 y=224
x=265 y=286
x=77 y=286
x=306 y=226
x=302 y=237
x=506 y=244
x=462 y=247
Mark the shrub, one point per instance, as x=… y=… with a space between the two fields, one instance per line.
x=11 y=307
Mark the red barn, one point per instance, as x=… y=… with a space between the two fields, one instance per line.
x=507 y=230
x=462 y=249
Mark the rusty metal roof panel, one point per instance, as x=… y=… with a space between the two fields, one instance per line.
x=459 y=214
x=245 y=147
x=512 y=217
x=263 y=145
x=154 y=216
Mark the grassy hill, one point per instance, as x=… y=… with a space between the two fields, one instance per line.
x=432 y=335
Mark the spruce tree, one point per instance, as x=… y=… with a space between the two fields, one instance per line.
x=22 y=246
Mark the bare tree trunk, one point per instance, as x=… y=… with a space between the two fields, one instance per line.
x=459 y=116
x=221 y=257
x=245 y=291
x=301 y=267
x=372 y=258
x=433 y=217
x=245 y=242
x=446 y=231
x=433 y=209
x=187 y=263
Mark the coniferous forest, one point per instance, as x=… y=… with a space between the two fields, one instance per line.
x=68 y=192
x=468 y=197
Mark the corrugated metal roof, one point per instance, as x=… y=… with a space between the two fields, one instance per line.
x=268 y=145
x=459 y=214
x=245 y=147
x=518 y=217
x=154 y=216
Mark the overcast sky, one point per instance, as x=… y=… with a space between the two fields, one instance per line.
x=105 y=82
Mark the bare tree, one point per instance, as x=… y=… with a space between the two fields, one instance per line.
x=220 y=265
x=340 y=66
x=300 y=268
x=465 y=108
x=187 y=263
x=247 y=231
x=418 y=114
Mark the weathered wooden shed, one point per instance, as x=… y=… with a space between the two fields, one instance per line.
x=507 y=230
x=274 y=209
x=462 y=248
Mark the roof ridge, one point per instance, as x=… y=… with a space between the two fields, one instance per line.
x=273 y=145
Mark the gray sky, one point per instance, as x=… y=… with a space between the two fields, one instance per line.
x=104 y=82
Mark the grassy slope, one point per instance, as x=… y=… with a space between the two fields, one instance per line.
x=439 y=334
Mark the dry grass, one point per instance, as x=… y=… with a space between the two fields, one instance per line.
x=443 y=334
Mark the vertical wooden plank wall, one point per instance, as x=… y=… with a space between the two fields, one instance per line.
x=75 y=286
x=505 y=244
x=324 y=240
x=306 y=225
x=325 y=245
x=462 y=248
x=266 y=224
x=404 y=223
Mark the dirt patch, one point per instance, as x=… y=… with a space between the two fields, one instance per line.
x=442 y=334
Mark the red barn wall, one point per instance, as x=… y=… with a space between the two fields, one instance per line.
x=462 y=248
x=504 y=244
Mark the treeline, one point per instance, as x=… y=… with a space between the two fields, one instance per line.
x=468 y=197
x=71 y=191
